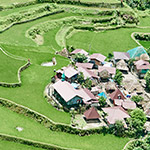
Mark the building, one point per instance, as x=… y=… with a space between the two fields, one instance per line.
x=110 y=70
x=69 y=73
x=81 y=51
x=117 y=94
x=141 y=67
x=66 y=94
x=91 y=115
x=122 y=66
x=121 y=55
x=115 y=113
x=97 y=58
x=88 y=73
x=85 y=65
x=135 y=53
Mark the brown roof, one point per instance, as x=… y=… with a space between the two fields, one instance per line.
x=87 y=73
x=98 y=57
x=85 y=65
x=81 y=51
x=144 y=57
x=148 y=112
x=87 y=95
x=121 y=55
x=115 y=113
x=116 y=94
x=110 y=86
x=111 y=70
x=91 y=113
x=127 y=104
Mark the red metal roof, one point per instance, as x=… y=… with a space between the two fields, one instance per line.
x=116 y=94
x=91 y=113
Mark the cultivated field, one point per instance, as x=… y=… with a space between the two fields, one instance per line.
x=20 y=43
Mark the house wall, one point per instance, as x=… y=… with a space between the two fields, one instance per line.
x=96 y=62
x=75 y=100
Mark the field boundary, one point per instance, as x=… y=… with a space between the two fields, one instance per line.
x=32 y=143
x=22 y=68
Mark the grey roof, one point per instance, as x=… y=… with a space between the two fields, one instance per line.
x=121 y=55
x=98 y=57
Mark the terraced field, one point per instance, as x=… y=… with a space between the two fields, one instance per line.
x=38 y=38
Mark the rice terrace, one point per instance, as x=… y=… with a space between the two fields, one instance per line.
x=74 y=74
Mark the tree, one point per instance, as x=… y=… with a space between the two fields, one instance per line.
x=136 y=121
x=88 y=83
x=118 y=77
x=102 y=101
x=137 y=98
x=80 y=78
x=147 y=78
x=80 y=58
x=118 y=128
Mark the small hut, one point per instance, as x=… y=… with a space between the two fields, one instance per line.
x=110 y=87
x=144 y=57
x=122 y=66
x=91 y=115
x=104 y=75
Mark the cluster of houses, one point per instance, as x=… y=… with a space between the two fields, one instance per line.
x=70 y=94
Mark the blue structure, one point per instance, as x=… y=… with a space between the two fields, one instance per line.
x=136 y=52
x=102 y=94
x=75 y=85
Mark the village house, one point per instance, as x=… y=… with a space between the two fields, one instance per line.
x=88 y=74
x=121 y=55
x=97 y=58
x=117 y=94
x=126 y=104
x=115 y=113
x=91 y=115
x=141 y=67
x=81 y=51
x=122 y=66
x=68 y=73
x=85 y=65
x=68 y=96
x=111 y=71
x=135 y=53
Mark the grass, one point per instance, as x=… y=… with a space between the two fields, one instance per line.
x=16 y=146
x=14 y=10
x=9 y=68
x=8 y=2
x=34 y=81
x=104 y=42
x=101 y=1
x=37 y=132
x=145 y=21
x=146 y=44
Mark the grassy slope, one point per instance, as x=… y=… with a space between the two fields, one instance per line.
x=34 y=80
x=6 y=145
x=146 y=44
x=16 y=34
x=102 y=1
x=8 y=2
x=9 y=68
x=105 y=42
x=35 y=131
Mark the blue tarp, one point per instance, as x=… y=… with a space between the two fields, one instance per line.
x=137 y=52
x=102 y=94
x=75 y=85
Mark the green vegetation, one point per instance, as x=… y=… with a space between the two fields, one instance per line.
x=37 y=132
x=147 y=78
x=9 y=68
x=6 y=2
x=118 y=77
x=35 y=78
x=137 y=98
x=16 y=146
x=136 y=122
